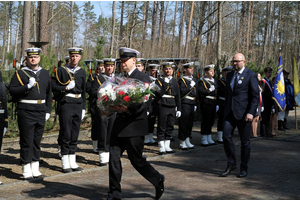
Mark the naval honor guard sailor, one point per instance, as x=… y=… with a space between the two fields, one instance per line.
x=70 y=82
x=31 y=86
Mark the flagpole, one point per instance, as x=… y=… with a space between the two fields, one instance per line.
x=276 y=129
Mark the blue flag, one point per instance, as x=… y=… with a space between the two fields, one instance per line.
x=279 y=90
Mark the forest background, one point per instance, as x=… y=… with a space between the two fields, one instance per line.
x=209 y=31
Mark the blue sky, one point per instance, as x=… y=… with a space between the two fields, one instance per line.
x=100 y=7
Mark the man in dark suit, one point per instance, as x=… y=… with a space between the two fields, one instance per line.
x=241 y=101
x=128 y=133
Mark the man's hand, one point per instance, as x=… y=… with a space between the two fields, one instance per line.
x=120 y=108
x=249 y=118
x=193 y=83
x=71 y=85
x=178 y=114
x=212 y=88
x=47 y=116
x=31 y=82
x=82 y=114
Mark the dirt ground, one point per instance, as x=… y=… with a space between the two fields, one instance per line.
x=50 y=164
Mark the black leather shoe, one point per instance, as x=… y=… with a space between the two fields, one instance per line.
x=205 y=145
x=77 y=169
x=159 y=190
x=171 y=151
x=68 y=170
x=162 y=153
x=111 y=198
x=227 y=171
x=242 y=174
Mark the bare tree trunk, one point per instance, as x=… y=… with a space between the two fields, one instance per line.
x=220 y=26
x=34 y=23
x=271 y=33
x=17 y=29
x=173 y=32
x=72 y=24
x=121 y=22
x=26 y=26
x=133 y=25
x=113 y=29
x=200 y=27
x=161 y=20
x=153 y=31
x=266 y=34
x=250 y=32
x=145 y=18
x=189 y=31
x=43 y=26
x=181 y=30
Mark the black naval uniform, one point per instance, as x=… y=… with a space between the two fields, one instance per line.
x=221 y=102
x=188 y=102
x=32 y=106
x=92 y=105
x=169 y=100
x=153 y=110
x=128 y=134
x=3 y=110
x=103 y=125
x=267 y=95
x=71 y=104
x=208 y=102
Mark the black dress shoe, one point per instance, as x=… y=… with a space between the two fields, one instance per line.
x=68 y=170
x=242 y=174
x=205 y=145
x=227 y=171
x=159 y=190
x=77 y=169
x=111 y=198
x=162 y=153
x=171 y=151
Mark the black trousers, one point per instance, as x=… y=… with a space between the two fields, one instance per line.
x=186 y=121
x=244 y=128
x=31 y=125
x=208 y=113
x=152 y=117
x=96 y=118
x=166 y=121
x=69 y=120
x=265 y=116
x=134 y=147
x=106 y=125
x=220 y=118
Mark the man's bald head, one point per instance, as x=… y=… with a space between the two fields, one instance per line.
x=238 y=61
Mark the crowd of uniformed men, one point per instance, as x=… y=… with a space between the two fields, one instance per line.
x=32 y=88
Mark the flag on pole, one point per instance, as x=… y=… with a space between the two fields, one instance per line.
x=279 y=90
x=296 y=82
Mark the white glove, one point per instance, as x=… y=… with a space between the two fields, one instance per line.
x=83 y=114
x=195 y=108
x=217 y=108
x=4 y=131
x=262 y=109
x=167 y=80
x=47 y=116
x=193 y=83
x=212 y=88
x=273 y=110
x=31 y=82
x=178 y=114
x=148 y=113
x=71 y=85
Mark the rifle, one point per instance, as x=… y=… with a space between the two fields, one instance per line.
x=13 y=103
x=56 y=103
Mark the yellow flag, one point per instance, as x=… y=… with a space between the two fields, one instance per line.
x=296 y=82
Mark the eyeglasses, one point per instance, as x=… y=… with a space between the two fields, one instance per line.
x=236 y=61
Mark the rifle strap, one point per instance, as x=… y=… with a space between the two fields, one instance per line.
x=71 y=78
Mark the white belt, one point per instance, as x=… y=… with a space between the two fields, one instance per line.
x=2 y=111
x=222 y=98
x=190 y=98
x=210 y=97
x=76 y=96
x=40 y=101
x=167 y=96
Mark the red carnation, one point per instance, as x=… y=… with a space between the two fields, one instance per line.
x=121 y=92
x=146 y=98
x=147 y=84
x=126 y=98
x=104 y=98
x=124 y=82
